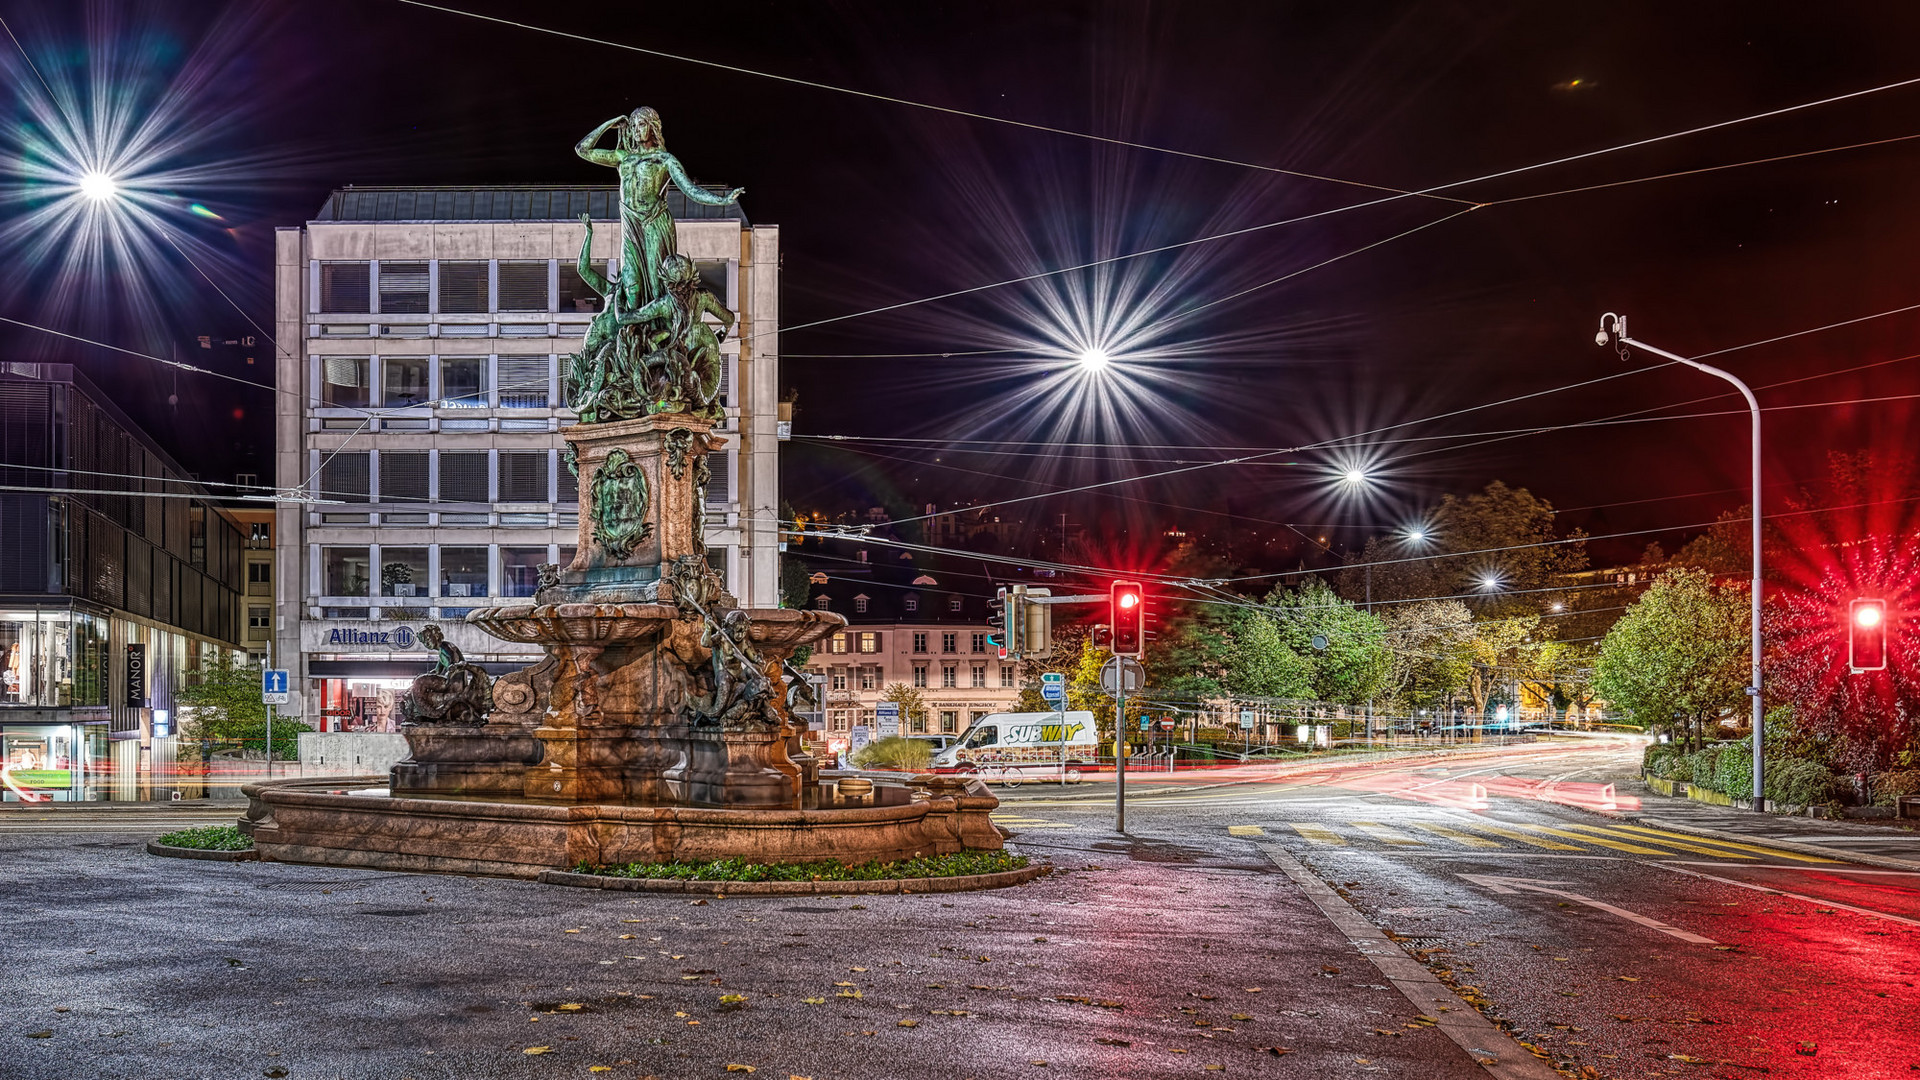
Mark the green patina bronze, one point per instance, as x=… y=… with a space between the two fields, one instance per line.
x=620 y=505
x=651 y=348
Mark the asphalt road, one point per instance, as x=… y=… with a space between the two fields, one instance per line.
x=1183 y=948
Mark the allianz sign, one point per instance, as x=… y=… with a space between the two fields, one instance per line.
x=400 y=637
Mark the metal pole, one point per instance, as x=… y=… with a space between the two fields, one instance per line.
x=1753 y=409
x=1120 y=750
x=269 y=742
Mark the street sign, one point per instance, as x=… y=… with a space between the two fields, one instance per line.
x=274 y=686
x=1146 y=723
x=1120 y=668
x=1052 y=677
x=858 y=740
x=1166 y=725
x=1053 y=691
x=886 y=716
x=1246 y=719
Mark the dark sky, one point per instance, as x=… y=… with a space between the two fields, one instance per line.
x=882 y=203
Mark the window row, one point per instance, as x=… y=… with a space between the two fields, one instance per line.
x=434 y=570
x=448 y=382
x=976 y=680
x=472 y=286
x=391 y=477
x=950 y=642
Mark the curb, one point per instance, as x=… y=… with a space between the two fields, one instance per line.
x=960 y=883
x=155 y=847
x=1864 y=858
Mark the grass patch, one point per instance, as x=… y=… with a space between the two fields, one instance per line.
x=957 y=864
x=210 y=838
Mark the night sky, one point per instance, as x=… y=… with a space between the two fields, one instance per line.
x=882 y=203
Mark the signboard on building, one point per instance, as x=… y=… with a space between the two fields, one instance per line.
x=136 y=676
x=886 y=716
x=400 y=637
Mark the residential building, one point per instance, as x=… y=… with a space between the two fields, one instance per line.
x=116 y=580
x=426 y=332
x=256 y=601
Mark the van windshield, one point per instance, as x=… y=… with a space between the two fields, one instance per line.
x=983 y=736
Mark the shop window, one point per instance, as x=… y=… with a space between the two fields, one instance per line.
x=949 y=722
x=34 y=647
x=520 y=569
x=917 y=723
x=403 y=571
x=345 y=570
x=345 y=382
x=403 y=381
x=463 y=382
x=463 y=571
x=463 y=287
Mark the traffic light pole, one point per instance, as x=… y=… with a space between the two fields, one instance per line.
x=1120 y=752
x=1753 y=407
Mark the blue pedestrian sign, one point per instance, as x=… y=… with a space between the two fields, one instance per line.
x=274 y=685
x=1053 y=691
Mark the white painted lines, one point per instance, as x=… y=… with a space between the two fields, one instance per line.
x=1438 y=839
x=1510 y=885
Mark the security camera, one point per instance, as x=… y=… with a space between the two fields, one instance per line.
x=1600 y=338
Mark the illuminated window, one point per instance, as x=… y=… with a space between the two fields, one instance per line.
x=837 y=643
x=869 y=643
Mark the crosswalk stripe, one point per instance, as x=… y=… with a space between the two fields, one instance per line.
x=1631 y=849
x=1385 y=835
x=1319 y=834
x=1680 y=844
x=1456 y=835
x=1245 y=830
x=1514 y=834
x=1768 y=851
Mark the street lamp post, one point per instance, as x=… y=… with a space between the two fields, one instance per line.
x=1618 y=324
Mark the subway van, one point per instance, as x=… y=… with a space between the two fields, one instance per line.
x=1009 y=747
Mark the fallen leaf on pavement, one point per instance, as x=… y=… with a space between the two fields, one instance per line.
x=735 y=1067
x=1213 y=1068
x=1329 y=969
x=47 y=1034
x=703 y=903
x=909 y=1023
x=1252 y=989
x=1626 y=978
x=1113 y=1042
x=569 y=931
x=1276 y=1051
x=571 y=1006
x=1240 y=1016
x=599 y=1068
x=538 y=1050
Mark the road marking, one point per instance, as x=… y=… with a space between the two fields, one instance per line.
x=1245 y=830
x=1494 y=1050
x=1768 y=851
x=1814 y=900
x=1456 y=835
x=1680 y=844
x=1511 y=885
x=1319 y=834
x=1632 y=849
x=1515 y=834
x=1385 y=835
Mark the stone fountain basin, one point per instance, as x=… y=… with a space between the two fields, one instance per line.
x=351 y=821
x=778 y=630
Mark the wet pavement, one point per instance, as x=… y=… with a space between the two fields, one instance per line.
x=1528 y=878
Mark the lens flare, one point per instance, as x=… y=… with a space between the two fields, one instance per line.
x=98 y=186
x=1095 y=359
x=1866 y=616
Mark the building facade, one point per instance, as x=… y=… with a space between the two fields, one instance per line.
x=433 y=326
x=116 y=580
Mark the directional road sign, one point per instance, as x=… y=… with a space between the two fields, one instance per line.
x=887 y=718
x=274 y=686
x=1052 y=677
x=1123 y=667
x=1053 y=691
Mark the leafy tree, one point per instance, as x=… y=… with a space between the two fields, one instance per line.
x=1352 y=666
x=220 y=709
x=1495 y=649
x=1262 y=664
x=1427 y=659
x=1501 y=530
x=1680 y=649
x=913 y=704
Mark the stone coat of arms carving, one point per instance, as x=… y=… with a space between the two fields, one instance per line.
x=620 y=505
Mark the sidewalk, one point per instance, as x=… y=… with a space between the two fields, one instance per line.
x=1890 y=845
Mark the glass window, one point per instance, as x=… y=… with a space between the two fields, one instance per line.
x=403 y=381
x=868 y=678
x=403 y=571
x=259 y=618
x=523 y=381
x=463 y=382
x=1006 y=677
x=869 y=643
x=840 y=679
x=949 y=642
x=985 y=736
x=344 y=475
x=463 y=287
x=979 y=677
x=403 y=288
x=523 y=285
x=574 y=293
x=953 y=604
x=837 y=643
x=345 y=570
x=463 y=571
x=979 y=643
x=713 y=278
x=920 y=675
x=403 y=477
x=463 y=476
x=919 y=643
x=821 y=602
x=33 y=657
x=917 y=723
x=860 y=605
x=345 y=382
x=344 y=287
x=89 y=659
x=523 y=476
x=949 y=676
x=911 y=603
x=259 y=573
x=520 y=569
x=949 y=722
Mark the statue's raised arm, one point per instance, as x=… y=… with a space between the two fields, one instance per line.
x=694 y=191
x=588 y=147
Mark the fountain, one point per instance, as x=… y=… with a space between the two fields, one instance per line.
x=659 y=724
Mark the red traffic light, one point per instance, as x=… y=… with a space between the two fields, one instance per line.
x=1129 y=610
x=1867 y=635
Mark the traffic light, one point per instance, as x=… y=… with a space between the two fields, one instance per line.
x=1867 y=635
x=1128 y=602
x=997 y=622
x=1036 y=625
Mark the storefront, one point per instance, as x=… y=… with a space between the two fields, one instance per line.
x=54 y=762
x=356 y=671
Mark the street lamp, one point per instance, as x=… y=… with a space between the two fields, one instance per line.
x=1618 y=324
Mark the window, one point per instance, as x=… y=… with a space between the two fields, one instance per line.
x=520 y=570
x=950 y=723
x=920 y=676
x=463 y=571
x=979 y=643
x=1006 y=678
x=259 y=618
x=344 y=382
x=821 y=601
x=919 y=643
x=344 y=571
x=837 y=643
x=260 y=534
x=713 y=278
x=839 y=720
x=953 y=603
x=840 y=679
x=523 y=381
x=403 y=571
x=568 y=483
x=403 y=288
x=403 y=381
x=343 y=476
x=868 y=678
x=869 y=643
x=343 y=287
x=917 y=723
x=523 y=286
x=463 y=382
x=463 y=287
x=979 y=677
x=911 y=603
x=575 y=295
x=463 y=476
x=860 y=604
x=949 y=642
x=949 y=676
x=523 y=476
x=259 y=573
x=403 y=476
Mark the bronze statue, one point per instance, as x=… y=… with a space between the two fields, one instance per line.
x=454 y=692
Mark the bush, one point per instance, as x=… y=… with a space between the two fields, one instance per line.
x=1733 y=769
x=1888 y=786
x=1704 y=767
x=895 y=752
x=209 y=838
x=1659 y=760
x=1799 y=782
x=1680 y=767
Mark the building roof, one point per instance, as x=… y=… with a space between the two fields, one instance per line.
x=507 y=202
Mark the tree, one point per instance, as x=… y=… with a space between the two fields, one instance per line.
x=1349 y=662
x=1501 y=531
x=1494 y=649
x=913 y=704
x=220 y=709
x=1261 y=664
x=1425 y=642
x=1680 y=650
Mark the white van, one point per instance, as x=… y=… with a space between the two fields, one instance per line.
x=1011 y=746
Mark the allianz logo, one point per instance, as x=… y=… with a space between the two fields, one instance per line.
x=400 y=637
